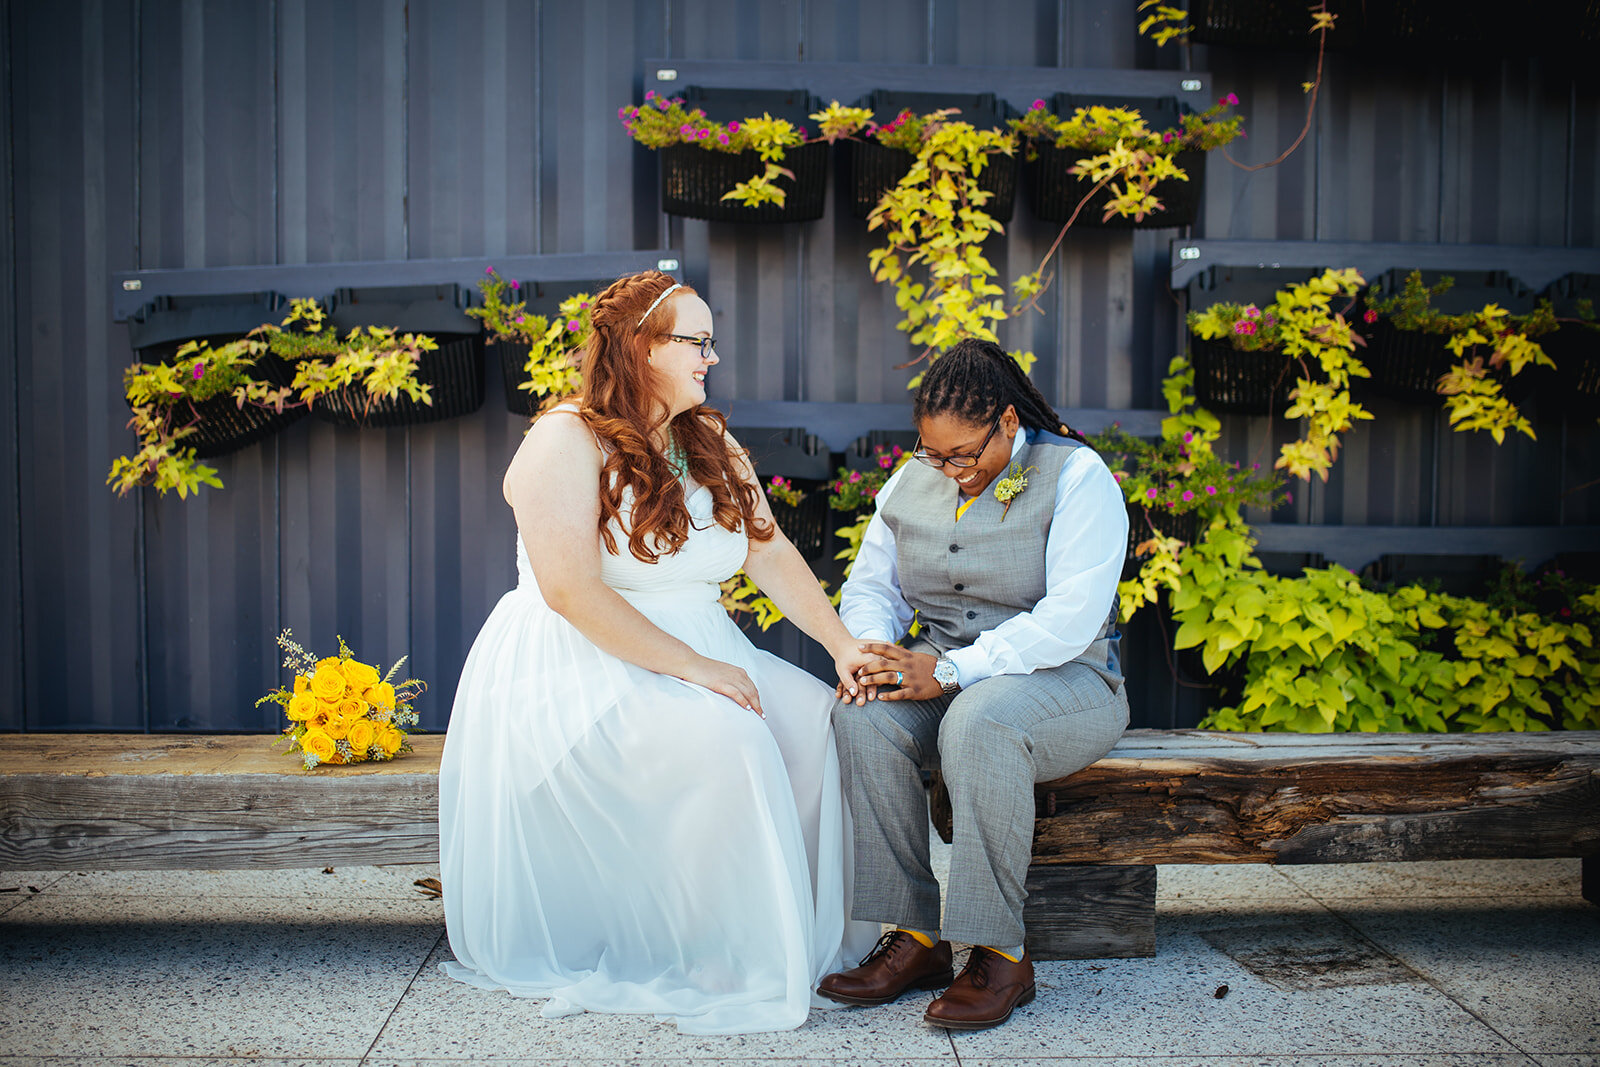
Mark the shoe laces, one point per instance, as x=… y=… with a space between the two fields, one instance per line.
x=885 y=946
x=977 y=969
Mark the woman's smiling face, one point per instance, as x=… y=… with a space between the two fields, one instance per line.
x=946 y=435
x=678 y=366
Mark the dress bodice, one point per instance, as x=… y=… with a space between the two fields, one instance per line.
x=711 y=555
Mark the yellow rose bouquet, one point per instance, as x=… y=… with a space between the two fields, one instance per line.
x=340 y=710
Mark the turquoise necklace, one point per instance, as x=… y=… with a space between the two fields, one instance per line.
x=676 y=458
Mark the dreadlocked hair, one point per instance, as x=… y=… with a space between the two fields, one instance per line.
x=975 y=381
x=621 y=407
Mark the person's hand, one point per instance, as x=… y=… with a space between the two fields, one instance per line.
x=899 y=673
x=848 y=664
x=732 y=682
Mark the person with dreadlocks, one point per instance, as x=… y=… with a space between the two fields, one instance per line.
x=639 y=811
x=1004 y=542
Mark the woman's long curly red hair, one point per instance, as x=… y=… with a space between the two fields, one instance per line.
x=621 y=406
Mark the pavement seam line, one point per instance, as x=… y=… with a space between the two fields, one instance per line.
x=1435 y=986
x=426 y=956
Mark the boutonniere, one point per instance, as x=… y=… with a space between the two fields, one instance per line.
x=1007 y=488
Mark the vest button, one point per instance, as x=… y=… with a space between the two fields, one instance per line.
x=972 y=614
x=959 y=587
x=955 y=548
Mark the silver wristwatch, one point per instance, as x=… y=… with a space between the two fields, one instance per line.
x=944 y=672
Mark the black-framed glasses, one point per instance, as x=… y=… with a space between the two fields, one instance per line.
x=705 y=344
x=969 y=459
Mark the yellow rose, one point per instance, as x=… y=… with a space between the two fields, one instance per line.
x=302 y=706
x=319 y=744
x=329 y=682
x=361 y=735
x=390 y=739
x=360 y=674
x=337 y=727
x=301 y=683
x=380 y=695
x=352 y=707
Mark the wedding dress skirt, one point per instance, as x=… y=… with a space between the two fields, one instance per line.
x=618 y=840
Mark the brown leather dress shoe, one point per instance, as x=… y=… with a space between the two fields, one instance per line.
x=989 y=988
x=896 y=964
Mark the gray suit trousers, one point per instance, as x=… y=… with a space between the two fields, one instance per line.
x=992 y=742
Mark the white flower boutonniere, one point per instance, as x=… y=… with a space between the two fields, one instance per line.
x=1007 y=488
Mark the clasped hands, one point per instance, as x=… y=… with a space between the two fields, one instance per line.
x=889 y=672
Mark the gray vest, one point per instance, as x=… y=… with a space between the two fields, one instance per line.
x=970 y=576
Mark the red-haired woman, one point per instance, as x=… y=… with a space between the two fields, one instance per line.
x=640 y=811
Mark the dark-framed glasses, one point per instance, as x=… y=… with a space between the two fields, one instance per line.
x=969 y=459
x=705 y=344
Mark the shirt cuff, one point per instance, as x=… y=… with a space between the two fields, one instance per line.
x=972 y=666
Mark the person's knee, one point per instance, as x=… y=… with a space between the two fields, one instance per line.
x=872 y=728
x=974 y=742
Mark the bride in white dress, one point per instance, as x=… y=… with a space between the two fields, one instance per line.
x=639 y=811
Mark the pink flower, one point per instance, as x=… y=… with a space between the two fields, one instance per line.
x=488 y=270
x=1188 y=437
x=1150 y=494
x=733 y=127
x=622 y=112
x=1252 y=312
x=1211 y=490
x=1038 y=105
x=1188 y=494
x=703 y=134
x=1230 y=100
x=1244 y=327
x=686 y=130
x=885 y=462
x=522 y=318
x=515 y=284
x=1167 y=137
x=805 y=133
x=573 y=326
x=1120 y=476
x=855 y=476
x=650 y=94
x=661 y=102
x=1370 y=316
x=1290 y=497
x=583 y=304
x=722 y=138
x=199 y=369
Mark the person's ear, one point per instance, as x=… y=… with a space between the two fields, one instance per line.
x=1009 y=422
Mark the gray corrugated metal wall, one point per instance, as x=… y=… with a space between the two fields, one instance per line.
x=202 y=133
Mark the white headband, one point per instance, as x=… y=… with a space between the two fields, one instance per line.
x=664 y=294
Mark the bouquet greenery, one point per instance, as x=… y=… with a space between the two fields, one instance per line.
x=340 y=710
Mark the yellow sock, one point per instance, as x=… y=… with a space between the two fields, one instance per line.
x=922 y=939
x=997 y=952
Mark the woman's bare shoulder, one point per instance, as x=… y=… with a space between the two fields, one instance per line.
x=559 y=446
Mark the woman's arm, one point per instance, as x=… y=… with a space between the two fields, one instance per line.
x=779 y=570
x=553 y=486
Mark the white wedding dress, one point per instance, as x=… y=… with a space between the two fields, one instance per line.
x=618 y=840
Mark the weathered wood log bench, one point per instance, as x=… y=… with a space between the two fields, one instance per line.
x=1188 y=796
x=88 y=802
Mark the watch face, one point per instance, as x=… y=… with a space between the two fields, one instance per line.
x=944 y=672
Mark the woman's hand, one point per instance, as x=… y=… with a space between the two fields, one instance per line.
x=849 y=664
x=726 y=679
x=891 y=664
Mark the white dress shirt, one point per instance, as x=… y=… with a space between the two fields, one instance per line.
x=1084 y=551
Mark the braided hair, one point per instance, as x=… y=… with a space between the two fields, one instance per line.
x=975 y=381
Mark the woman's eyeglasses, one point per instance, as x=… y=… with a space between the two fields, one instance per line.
x=705 y=344
x=964 y=460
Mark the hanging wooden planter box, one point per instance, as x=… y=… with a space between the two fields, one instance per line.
x=1268 y=24
x=1405 y=364
x=513 y=356
x=693 y=181
x=1054 y=193
x=1185 y=527
x=876 y=168
x=1245 y=383
x=454 y=372
x=1576 y=352
x=161 y=327
x=226 y=427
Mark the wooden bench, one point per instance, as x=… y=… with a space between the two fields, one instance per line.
x=1189 y=796
x=88 y=802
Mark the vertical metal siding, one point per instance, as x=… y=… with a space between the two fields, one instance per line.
x=292 y=131
x=13 y=706
x=71 y=93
